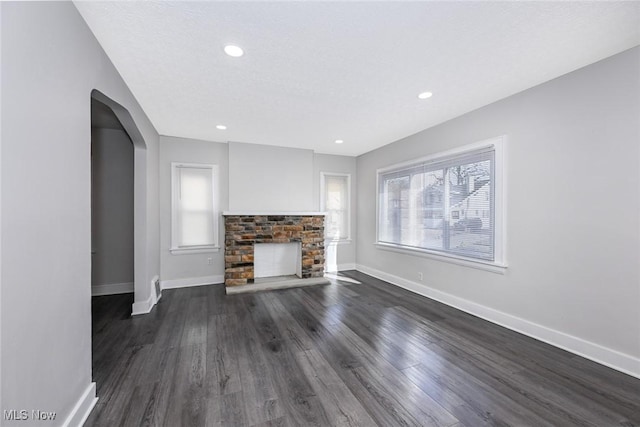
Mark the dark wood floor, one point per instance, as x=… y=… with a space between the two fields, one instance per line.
x=356 y=352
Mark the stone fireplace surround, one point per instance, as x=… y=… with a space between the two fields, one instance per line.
x=244 y=229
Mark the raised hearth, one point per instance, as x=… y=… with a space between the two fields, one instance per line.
x=243 y=230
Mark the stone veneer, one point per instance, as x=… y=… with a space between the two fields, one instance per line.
x=243 y=231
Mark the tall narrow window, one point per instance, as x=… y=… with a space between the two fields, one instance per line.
x=448 y=204
x=334 y=200
x=194 y=207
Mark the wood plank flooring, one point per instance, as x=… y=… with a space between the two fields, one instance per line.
x=357 y=352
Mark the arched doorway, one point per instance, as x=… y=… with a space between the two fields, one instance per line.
x=139 y=195
x=112 y=233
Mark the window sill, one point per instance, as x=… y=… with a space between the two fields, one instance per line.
x=194 y=250
x=337 y=242
x=493 y=267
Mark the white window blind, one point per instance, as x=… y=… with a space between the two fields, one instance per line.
x=444 y=205
x=335 y=202
x=194 y=222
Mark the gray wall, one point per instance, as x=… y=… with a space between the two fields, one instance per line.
x=572 y=203
x=50 y=64
x=190 y=268
x=184 y=269
x=343 y=254
x=111 y=209
x=266 y=178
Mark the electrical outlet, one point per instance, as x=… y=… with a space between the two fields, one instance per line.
x=209 y=261
x=420 y=276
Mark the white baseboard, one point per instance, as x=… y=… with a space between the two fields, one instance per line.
x=191 y=281
x=112 y=289
x=83 y=407
x=614 y=359
x=144 y=307
x=341 y=267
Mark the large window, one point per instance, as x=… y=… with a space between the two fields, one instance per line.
x=449 y=204
x=334 y=200
x=194 y=221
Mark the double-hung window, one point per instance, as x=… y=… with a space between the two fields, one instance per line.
x=449 y=204
x=194 y=216
x=335 y=200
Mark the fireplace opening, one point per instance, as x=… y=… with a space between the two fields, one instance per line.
x=277 y=261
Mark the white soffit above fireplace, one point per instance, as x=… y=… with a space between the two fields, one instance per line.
x=316 y=72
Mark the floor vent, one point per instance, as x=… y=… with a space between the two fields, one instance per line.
x=158 y=289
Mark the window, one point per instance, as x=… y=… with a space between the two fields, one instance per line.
x=334 y=200
x=447 y=205
x=194 y=216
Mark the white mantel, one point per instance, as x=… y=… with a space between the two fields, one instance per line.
x=277 y=213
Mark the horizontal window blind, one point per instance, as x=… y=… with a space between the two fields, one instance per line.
x=443 y=205
x=194 y=207
x=336 y=206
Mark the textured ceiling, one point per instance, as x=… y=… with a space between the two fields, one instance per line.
x=314 y=72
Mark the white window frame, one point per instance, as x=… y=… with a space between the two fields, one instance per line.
x=323 y=204
x=175 y=191
x=499 y=263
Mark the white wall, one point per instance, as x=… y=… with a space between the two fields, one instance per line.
x=1 y=136
x=340 y=256
x=50 y=64
x=184 y=269
x=266 y=178
x=573 y=213
x=187 y=269
x=111 y=211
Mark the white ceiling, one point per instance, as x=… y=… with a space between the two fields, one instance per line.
x=314 y=72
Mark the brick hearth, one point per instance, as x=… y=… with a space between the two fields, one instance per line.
x=242 y=232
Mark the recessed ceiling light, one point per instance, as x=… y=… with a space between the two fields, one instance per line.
x=234 y=51
x=221 y=127
x=425 y=95
x=339 y=141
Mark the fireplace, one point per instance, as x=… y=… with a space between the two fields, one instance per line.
x=303 y=231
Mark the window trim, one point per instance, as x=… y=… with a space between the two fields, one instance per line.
x=215 y=247
x=347 y=239
x=499 y=264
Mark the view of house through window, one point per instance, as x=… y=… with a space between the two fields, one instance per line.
x=443 y=205
x=193 y=207
x=335 y=202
